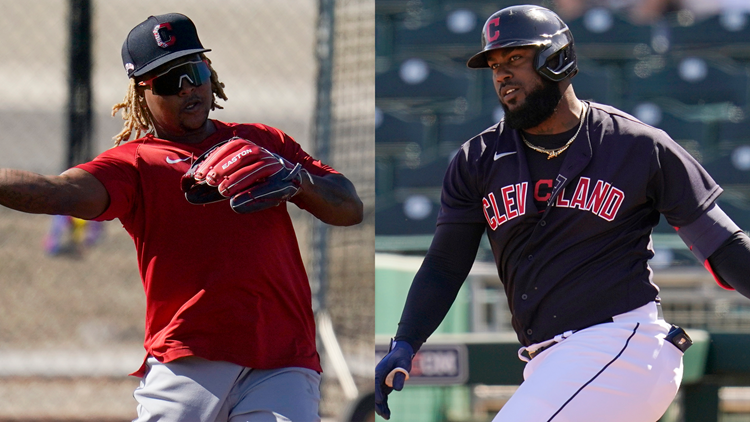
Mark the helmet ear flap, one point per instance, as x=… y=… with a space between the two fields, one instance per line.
x=555 y=61
x=558 y=65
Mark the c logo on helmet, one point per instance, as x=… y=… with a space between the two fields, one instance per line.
x=492 y=32
x=160 y=29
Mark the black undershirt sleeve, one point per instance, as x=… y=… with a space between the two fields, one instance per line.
x=731 y=263
x=436 y=284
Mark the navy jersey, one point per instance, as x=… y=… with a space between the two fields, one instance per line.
x=585 y=258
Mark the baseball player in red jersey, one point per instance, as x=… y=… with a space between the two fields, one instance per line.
x=230 y=334
x=568 y=192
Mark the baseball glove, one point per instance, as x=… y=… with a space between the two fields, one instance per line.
x=251 y=176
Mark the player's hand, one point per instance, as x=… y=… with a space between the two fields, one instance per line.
x=390 y=374
x=253 y=177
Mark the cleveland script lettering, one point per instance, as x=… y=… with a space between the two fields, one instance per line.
x=602 y=200
x=514 y=204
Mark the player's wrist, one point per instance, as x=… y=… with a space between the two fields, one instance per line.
x=402 y=345
x=305 y=182
x=413 y=344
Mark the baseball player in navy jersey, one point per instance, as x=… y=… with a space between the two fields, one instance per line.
x=568 y=192
x=230 y=332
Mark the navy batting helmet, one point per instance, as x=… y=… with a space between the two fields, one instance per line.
x=520 y=26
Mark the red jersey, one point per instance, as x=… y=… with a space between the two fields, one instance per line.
x=219 y=285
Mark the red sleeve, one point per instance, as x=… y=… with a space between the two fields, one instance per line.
x=116 y=170
x=279 y=142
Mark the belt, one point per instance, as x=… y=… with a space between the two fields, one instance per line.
x=540 y=347
x=533 y=354
x=558 y=338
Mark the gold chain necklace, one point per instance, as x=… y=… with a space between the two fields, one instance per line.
x=552 y=153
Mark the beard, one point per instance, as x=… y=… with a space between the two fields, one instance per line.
x=538 y=106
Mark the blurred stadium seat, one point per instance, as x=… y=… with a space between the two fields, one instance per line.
x=718 y=31
x=458 y=26
x=679 y=126
x=447 y=28
x=737 y=130
x=601 y=34
x=426 y=175
x=600 y=25
x=596 y=83
x=730 y=167
x=416 y=81
x=456 y=131
x=415 y=215
x=690 y=80
x=391 y=127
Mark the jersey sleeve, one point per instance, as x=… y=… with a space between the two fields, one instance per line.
x=116 y=170
x=681 y=188
x=280 y=143
x=461 y=198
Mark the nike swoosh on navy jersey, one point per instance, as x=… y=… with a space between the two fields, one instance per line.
x=503 y=154
x=176 y=160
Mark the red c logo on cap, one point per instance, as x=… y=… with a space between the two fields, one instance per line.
x=492 y=35
x=157 y=34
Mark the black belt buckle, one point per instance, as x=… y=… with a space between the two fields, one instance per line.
x=679 y=338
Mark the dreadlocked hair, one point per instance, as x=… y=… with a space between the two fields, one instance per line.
x=137 y=116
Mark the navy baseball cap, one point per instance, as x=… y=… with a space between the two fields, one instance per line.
x=158 y=40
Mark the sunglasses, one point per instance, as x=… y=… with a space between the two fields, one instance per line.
x=169 y=82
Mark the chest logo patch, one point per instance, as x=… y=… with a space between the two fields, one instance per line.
x=503 y=154
x=176 y=160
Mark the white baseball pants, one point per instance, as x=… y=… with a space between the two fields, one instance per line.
x=622 y=371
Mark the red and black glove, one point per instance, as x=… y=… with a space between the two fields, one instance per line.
x=253 y=177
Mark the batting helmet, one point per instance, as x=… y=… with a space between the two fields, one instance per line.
x=520 y=26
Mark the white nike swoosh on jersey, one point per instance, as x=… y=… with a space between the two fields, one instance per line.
x=175 y=161
x=503 y=154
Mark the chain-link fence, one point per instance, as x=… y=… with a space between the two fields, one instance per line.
x=72 y=302
x=351 y=256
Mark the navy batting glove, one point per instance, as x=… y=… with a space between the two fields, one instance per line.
x=390 y=374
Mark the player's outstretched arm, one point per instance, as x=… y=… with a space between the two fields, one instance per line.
x=75 y=192
x=443 y=271
x=332 y=198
